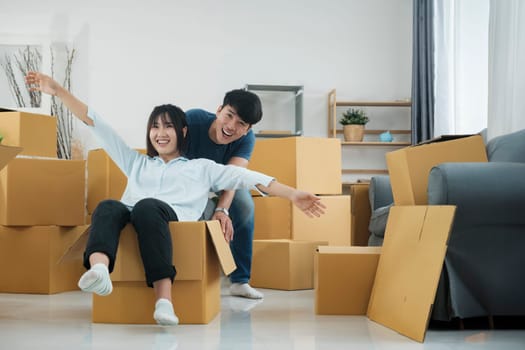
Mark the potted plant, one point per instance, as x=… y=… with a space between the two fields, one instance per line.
x=353 y=122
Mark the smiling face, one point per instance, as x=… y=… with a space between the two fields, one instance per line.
x=228 y=126
x=163 y=138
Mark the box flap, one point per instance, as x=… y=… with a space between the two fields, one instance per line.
x=330 y=249
x=7 y=153
x=409 y=268
x=76 y=249
x=221 y=247
x=445 y=138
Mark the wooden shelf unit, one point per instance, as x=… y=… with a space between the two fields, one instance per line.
x=333 y=130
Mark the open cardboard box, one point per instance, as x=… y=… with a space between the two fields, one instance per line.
x=409 y=268
x=199 y=251
x=36 y=134
x=409 y=167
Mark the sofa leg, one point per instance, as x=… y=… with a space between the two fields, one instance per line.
x=491 y=321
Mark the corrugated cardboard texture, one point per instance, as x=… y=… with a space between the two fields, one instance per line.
x=308 y=163
x=409 y=167
x=35 y=133
x=283 y=264
x=344 y=277
x=278 y=218
x=29 y=259
x=42 y=192
x=409 y=268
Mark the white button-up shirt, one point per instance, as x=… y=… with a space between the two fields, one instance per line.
x=183 y=184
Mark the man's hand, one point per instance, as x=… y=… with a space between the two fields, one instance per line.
x=226 y=225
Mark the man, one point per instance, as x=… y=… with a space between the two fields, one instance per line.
x=226 y=137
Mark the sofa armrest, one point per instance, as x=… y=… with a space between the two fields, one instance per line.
x=484 y=193
x=380 y=192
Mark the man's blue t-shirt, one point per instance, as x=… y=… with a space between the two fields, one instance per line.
x=201 y=146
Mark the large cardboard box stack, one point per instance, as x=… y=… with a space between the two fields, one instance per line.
x=42 y=207
x=199 y=249
x=282 y=232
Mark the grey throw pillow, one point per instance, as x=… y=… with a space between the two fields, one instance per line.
x=507 y=148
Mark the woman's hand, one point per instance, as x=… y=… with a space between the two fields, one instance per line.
x=40 y=82
x=310 y=204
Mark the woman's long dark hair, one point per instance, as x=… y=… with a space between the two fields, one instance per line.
x=177 y=117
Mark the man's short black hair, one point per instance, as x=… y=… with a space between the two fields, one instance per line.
x=246 y=103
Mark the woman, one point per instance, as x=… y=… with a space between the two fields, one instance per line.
x=162 y=186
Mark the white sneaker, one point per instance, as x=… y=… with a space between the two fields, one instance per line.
x=245 y=290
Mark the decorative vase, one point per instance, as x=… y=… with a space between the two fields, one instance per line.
x=354 y=132
x=386 y=137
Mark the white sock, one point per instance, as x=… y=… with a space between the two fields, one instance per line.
x=245 y=290
x=96 y=280
x=164 y=314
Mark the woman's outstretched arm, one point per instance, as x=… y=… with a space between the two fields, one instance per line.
x=310 y=204
x=40 y=82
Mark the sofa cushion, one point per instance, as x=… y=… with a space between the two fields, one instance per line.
x=378 y=221
x=507 y=148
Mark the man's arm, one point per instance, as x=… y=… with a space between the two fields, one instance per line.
x=225 y=201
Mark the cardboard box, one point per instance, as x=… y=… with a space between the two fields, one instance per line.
x=30 y=259
x=409 y=167
x=42 y=192
x=361 y=212
x=198 y=249
x=409 y=268
x=278 y=218
x=35 y=133
x=308 y=163
x=104 y=180
x=344 y=277
x=283 y=264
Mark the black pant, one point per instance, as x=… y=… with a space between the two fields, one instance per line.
x=150 y=218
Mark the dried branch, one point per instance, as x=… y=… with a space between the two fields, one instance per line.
x=13 y=84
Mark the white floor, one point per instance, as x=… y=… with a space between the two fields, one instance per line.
x=283 y=320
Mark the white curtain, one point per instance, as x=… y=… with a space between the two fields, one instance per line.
x=506 y=95
x=461 y=66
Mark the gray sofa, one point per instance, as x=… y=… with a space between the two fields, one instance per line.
x=484 y=268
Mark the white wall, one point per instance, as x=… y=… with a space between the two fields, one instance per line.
x=133 y=55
